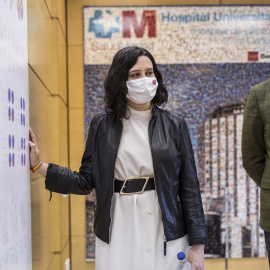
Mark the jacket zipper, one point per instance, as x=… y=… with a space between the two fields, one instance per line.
x=118 y=143
x=150 y=142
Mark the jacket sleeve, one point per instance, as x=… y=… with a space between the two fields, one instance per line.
x=190 y=191
x=253 y=147
x=63 y=180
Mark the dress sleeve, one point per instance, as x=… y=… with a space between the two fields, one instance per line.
x=63 y=180
x=253 y=146
x=190 y=190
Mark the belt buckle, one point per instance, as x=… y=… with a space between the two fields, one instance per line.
x=138 y=192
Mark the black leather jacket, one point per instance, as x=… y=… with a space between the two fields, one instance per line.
x=177 y=185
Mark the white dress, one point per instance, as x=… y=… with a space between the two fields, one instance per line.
x=137 y=234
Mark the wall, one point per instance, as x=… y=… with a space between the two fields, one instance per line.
x=76 y=105
x=48 y=119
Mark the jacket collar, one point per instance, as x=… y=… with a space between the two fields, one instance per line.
x=155 y=110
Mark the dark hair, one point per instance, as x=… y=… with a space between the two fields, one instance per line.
x=115 y=81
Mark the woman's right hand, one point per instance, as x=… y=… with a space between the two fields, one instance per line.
x=34 y=152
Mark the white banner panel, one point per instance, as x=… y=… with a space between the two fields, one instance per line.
x=192 y=34
x=15 y=197
x=209 y=57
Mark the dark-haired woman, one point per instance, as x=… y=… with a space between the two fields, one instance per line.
x=139 y=160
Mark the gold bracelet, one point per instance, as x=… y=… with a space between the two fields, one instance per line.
x=37 y=166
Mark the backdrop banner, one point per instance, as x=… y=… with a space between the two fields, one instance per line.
x=15 y=193
x=209 y=56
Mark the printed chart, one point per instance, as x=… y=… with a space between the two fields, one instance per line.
x=15 y=198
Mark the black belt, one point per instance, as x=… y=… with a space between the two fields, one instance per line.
x=134 y=186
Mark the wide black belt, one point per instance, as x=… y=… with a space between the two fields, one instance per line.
x=134 y=185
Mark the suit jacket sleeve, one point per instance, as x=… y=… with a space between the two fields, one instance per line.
x=253 y=147
x=63 y=180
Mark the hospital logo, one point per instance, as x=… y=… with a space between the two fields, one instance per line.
x=104 y=24
x=253 y=56
x=130 y=20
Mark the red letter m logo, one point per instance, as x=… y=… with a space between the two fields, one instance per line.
x=148 y=18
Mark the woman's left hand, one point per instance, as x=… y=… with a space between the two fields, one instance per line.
x=196 y=257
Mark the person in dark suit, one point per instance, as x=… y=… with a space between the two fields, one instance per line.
x=256 y=148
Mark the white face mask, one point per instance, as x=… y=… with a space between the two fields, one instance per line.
x=142 y=90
